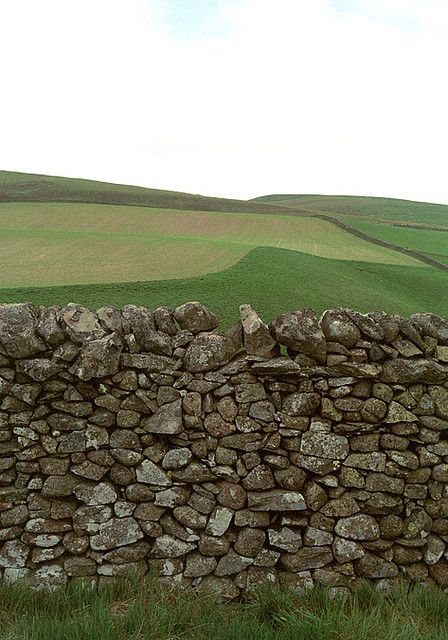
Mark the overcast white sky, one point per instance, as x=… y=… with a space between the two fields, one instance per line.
x=237 y=98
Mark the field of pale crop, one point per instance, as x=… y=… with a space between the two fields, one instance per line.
x=57 y=244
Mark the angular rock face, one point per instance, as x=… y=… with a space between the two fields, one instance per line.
x=401 y=371
x=80 y=324
x=18 y=330
x=128 y=445
x=166 y=420
x=257 y=338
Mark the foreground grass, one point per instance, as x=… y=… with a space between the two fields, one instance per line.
x=140 y=610
x=274 y=281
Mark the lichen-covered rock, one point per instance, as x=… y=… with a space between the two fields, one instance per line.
x=80 y=324
x=194 y=317
x=276 y=500
x=208 y=352
x=324 y=445
x=166 y=420
x=402 y=371
x=300 y=332
x=117 y=532
x=39 y=369
x=49 y=328
x=98 y=358
x=359 y=527
x=338 y=327
x=301 y=404
x=18 y=330
x=432 y=325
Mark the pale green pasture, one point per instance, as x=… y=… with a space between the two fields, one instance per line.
x=59 y=243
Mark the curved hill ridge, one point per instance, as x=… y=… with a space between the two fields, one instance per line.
x=28 y=187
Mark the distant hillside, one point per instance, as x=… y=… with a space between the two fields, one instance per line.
x=27 y=187
x=384 y=209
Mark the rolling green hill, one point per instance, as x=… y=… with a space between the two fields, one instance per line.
x=27 y=187
x=64 y=240
x=387 y=209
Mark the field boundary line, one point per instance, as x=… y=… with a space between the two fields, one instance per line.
x=417 y=255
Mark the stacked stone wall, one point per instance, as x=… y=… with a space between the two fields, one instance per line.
x=312 y=450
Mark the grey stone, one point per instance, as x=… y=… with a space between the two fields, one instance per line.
x=359 y=527
x=257 y=338
x=117 y=532
x=301 y=404
x=165 y=546
x=98 y=494
x=285 y=539
x=209 y=351
x=300 y=332
x=18 y=330
x=80 y=324
x=401 y=371
x=338 y=327
x=194 y=317
x=324 y=445
x=276 y=500
x=98 y=358
x=149 y=473
x=166 y=420
x=372 y=566
x=232 y=563
x=307 y=558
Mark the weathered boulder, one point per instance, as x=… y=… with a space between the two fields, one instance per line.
x=359 y=527
x=276 y=500
x=49 y=327
x=18 y=330
x=324 y=445
x=300 y=332
x=194 y=317
x=164 y=320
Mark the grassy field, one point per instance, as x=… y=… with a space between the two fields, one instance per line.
x=63 y=240
x=274 y=281
x=140 y=610
x=124 y=244
x=28 y=187
x=433 y=243
x=374 y=208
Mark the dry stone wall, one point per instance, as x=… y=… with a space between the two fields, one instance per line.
x=307 y=451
